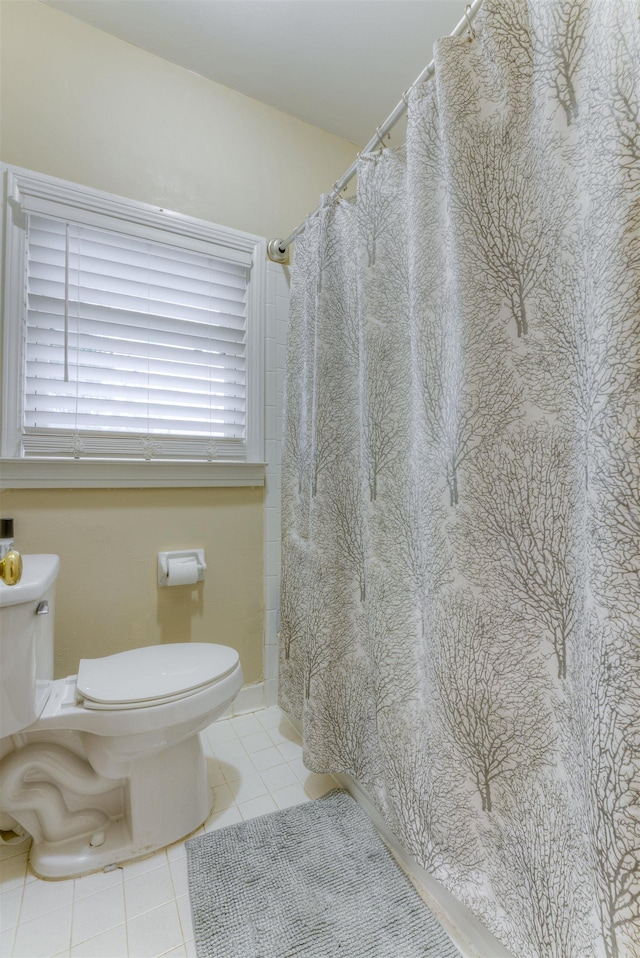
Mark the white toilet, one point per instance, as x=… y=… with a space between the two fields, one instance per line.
x=107 y=765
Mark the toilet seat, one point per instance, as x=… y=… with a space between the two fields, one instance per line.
x=152 y=675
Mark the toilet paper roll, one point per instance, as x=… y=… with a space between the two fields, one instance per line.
x=183 y=570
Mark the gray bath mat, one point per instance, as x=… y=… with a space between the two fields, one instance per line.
x=312 y=881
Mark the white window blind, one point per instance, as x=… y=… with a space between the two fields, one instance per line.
x=132 y=347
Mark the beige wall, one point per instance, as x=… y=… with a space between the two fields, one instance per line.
x=108 y=540
x=89 y=108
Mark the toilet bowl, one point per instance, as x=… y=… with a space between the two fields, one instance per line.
x=106 y=765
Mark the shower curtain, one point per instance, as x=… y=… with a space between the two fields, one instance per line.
x=460 y=618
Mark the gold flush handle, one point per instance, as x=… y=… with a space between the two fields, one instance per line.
x=11 y=567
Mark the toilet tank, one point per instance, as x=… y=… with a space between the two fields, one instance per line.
x=27 y=613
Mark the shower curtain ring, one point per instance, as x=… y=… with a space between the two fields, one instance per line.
x=384 y=145
x=404 y=97
x=471 y=33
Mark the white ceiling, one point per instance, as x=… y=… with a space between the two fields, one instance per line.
x=341 y=65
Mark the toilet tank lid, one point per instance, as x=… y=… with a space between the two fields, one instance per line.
x=39 y=572
x=153 y=672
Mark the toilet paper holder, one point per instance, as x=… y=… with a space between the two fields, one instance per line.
x=165 y=557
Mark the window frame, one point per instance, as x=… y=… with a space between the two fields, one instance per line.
x=26 y=191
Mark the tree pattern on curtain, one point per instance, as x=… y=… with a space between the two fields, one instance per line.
x=460 y=622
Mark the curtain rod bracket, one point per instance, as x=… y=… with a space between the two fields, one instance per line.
x=277 y=251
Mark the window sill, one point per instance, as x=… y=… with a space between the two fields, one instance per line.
x=48 y=473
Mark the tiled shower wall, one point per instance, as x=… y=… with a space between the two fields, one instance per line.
x=277 y=317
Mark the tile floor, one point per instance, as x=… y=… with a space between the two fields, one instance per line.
x=141 y=910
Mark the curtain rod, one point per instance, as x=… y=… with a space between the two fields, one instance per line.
x=277 y=248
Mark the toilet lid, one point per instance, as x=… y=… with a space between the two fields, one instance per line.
x=153 y=674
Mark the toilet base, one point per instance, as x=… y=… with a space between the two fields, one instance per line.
x=166 y=797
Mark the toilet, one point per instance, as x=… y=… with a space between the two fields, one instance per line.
x=106 y=765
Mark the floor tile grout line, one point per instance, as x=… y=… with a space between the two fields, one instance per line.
x=104 y=931
x=175 y=898
x=13 y=937
x=73 y=914
x=19 y=912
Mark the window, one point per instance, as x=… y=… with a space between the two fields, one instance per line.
x=130 y=333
